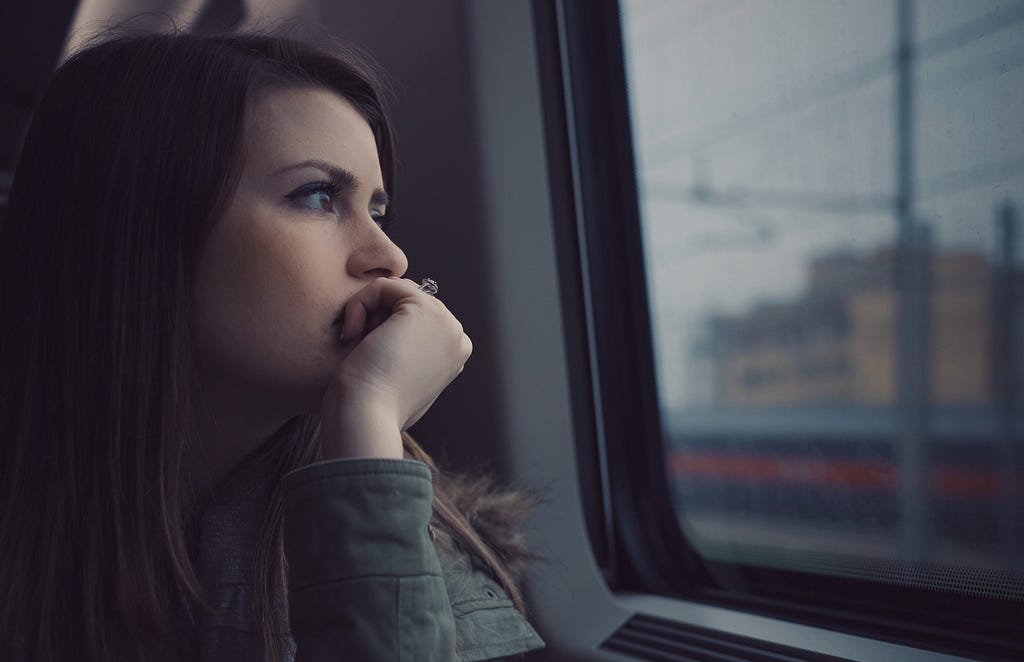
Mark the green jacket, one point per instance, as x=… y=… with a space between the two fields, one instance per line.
x=368 y=579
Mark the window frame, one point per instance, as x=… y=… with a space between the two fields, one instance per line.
x=603 y=230
x=619 y=441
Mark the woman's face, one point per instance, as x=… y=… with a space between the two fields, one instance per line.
x=300 y=237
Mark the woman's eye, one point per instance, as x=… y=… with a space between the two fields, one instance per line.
x=317 y=197
x=380 y=219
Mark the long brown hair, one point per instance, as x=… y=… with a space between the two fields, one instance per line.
x=131 y=156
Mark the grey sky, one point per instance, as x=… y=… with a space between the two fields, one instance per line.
x=795 y=98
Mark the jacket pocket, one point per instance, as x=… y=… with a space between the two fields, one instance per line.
x=489 y=628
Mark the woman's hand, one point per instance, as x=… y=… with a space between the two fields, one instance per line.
x=413 y=349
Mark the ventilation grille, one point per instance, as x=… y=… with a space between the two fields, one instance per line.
x=660 y=640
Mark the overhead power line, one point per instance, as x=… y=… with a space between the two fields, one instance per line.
x=973 y=177
x=947 y=183
x=741 y=196
x=844 y=82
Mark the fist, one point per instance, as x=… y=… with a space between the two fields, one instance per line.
x=404 y=348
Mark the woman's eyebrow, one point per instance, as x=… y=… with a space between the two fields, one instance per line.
x=341 y=178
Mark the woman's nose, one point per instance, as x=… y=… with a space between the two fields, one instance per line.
x=378 y=256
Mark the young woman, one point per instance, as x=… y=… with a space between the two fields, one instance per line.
x=210 y=358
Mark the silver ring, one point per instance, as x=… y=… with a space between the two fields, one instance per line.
x=429 y=285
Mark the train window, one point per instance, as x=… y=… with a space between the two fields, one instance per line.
x=817 y=232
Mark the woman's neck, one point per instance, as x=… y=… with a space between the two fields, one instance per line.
x=229 y=432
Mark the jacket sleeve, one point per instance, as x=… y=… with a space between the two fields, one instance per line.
x=364 y=578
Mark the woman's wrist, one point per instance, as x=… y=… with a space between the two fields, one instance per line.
x=361 y=429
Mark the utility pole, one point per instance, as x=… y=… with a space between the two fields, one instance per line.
x=912 y=307
x=1007 y=365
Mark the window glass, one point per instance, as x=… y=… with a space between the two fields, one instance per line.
x=831 y=201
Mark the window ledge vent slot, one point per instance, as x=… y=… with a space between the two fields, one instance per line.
x=661 y=640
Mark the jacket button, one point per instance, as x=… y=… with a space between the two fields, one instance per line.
x=490 y=593
x=430 y=530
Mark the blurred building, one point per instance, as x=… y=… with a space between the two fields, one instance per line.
x=837 y=343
